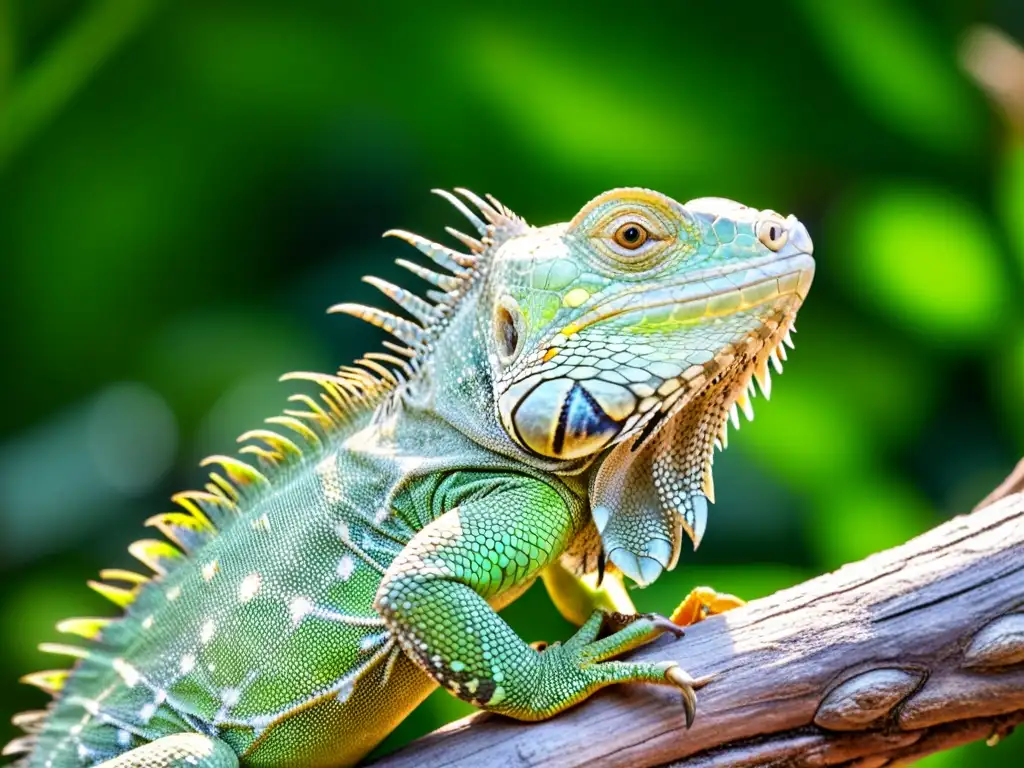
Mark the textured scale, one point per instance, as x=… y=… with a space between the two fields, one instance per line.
x=552 y=408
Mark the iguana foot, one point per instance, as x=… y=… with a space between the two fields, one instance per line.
x=584 y=663
x=701 y=603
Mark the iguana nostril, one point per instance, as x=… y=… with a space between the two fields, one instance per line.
x=799 y=237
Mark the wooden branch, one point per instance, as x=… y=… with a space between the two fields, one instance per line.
x=911 y=651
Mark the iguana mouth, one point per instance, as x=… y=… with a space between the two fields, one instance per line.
x=707 y=294
x=690 y=303
x=723 y=369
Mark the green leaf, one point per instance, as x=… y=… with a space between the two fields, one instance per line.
x=806 y=437
x=8 y=51
x=40 y=94
x=565 y=103
x=832 y=347
x=1010 y=198
x=892 y=64
x=925 y=259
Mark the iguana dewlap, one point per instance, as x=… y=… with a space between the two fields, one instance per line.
x=550 y=410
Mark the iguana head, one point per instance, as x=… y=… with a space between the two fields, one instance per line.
x=624 y=338
x=616 y=345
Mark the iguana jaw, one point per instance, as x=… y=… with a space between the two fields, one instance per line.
x=654 y=481
x=705 y=294
x=678 y=315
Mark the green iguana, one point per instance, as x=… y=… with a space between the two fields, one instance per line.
x=553 y=408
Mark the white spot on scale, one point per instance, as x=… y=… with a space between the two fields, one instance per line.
x=260 y=722
x=261 y=523
x=346 y=566
x=206 y=632
x=229 y=697
x=147 y=623
x=345 y=692
x=249 y=587
x=330 y=480
x=299 y=607
x=370 y=641
x=188 y=663
x=146 y=712
x=124 y=738
x=173 y=593
x=210 y=570
x=127 y=672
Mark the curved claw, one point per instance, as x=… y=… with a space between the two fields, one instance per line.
x=664 y=623
x=617 y=621
x=688 y=685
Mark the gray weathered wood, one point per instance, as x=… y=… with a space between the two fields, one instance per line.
x=910 y=651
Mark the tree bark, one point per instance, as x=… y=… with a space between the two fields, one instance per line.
x=913 y=650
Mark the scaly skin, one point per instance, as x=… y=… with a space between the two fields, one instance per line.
x=554 y=412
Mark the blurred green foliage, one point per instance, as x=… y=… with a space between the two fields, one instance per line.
x=185 y=186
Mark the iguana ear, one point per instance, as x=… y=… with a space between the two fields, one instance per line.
x=643 y=500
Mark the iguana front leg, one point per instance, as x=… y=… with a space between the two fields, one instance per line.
x=437 y=597
x=180 y=750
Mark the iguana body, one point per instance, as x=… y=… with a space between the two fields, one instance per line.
x=554 y=407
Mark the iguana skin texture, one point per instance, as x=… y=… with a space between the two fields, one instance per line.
x=552 y=409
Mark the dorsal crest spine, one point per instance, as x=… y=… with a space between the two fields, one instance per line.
x=344 y=397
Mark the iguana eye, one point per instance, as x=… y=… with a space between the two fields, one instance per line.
x=772 y=234
x=508 y=329
x=632 y=239
x=631 y=235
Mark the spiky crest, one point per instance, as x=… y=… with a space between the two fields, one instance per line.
x=344 y=396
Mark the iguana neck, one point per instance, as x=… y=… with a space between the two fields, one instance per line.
x=454 y=386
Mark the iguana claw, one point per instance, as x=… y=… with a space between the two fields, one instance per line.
x=688 y=685
x=617 y=621
x=665 y=623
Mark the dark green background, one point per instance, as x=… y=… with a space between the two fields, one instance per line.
x=185 y=186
